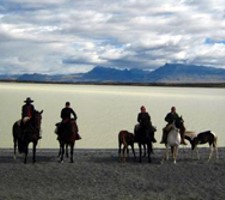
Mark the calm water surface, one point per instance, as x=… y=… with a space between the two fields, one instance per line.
x=105 y=110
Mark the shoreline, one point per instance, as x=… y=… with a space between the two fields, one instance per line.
x=154 y=84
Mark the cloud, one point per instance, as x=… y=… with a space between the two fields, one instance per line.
x=66 y=36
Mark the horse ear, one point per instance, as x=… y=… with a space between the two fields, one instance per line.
x=41 y=111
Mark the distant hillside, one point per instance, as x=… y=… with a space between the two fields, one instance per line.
x=112 y=74
x=187 y=74
x=169 y=73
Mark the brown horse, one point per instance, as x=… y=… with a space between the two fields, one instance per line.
x=126 y=139
x=29 y=134
x=144 y=137
x=67 y=134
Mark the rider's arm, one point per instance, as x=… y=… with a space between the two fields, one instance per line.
x=74 y=114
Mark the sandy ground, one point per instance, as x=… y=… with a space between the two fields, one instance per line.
x=97 y=174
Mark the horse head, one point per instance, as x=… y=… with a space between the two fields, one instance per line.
x=179 y=123
x=36 y=120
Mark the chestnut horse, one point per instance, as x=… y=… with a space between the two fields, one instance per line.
x=126 y=139
x=67 y=134
x=30 y=134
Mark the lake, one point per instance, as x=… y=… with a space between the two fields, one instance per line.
x=104 y=110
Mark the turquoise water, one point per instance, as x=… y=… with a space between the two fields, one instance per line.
x=105 y=110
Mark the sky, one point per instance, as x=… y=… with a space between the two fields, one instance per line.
x=73 y=36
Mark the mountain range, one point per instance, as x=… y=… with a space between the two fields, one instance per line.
x=169 y=73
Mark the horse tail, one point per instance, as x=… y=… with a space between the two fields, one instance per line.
x=122 y=138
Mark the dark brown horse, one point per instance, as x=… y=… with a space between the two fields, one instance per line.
x=126 y=139
x=67 y=135
x=30 y=134
x=144 y=137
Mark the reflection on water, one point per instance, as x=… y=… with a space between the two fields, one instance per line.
x=105 y=110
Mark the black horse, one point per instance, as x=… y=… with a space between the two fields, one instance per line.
x=67 y=135
x=30 y=133
x=144 y=137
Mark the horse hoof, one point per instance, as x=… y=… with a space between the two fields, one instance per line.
x=61 y=161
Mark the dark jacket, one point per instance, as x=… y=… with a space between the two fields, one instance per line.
x=27 y=110
x=144 y=119
x=67 y=112
x=171 y=117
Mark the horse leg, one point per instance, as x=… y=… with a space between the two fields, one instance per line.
x=144 y=150
x=165 y=156
x=216 y=151
x=132 y=146
x=211 y=152
x=15 y=146
x=196 y=152
x=71 y=152
x=215 y=147
x=149 y=152
x=124 y=149
x=67 y=154
x=25 y=153
x=34 y=151
x=62 y=152
x=140 y=152
x=175 y=150
x=119 y=151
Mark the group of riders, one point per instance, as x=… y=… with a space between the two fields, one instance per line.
x=68 y=115
x=145 y=123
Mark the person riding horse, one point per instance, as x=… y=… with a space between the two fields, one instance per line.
x=66 y=115
x=144 y=120
x=170 y=118
x=27 y=114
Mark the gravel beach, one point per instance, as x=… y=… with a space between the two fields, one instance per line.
x=97 y=174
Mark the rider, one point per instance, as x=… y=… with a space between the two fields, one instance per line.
x=170 y=118
x=145 y=121
x=66 y=113
x=27 y=113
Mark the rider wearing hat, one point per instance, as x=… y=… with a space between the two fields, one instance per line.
x=27 y=113
x=27 y=110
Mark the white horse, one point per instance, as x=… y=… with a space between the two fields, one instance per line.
x=173 y=142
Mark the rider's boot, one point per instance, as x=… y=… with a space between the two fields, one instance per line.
x=164 y=137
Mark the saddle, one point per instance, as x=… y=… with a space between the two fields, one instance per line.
x=67 y=127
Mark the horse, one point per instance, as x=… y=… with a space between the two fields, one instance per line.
x=173 y=141
x=203 y=138
x=200 y=138
x=126 y=139
x=144 y=137
x=29 y=134
x=67 y=134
